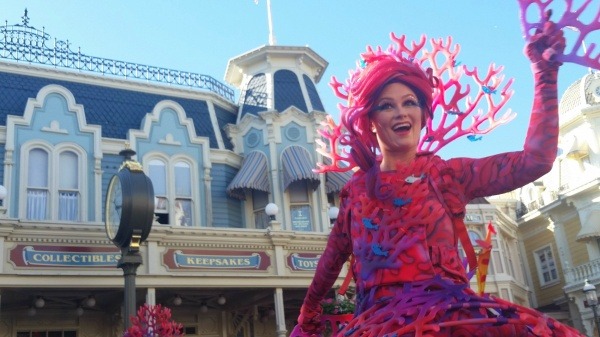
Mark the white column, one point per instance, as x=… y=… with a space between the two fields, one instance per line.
x=280 y=313
x=208 y=196
x=151 y=296
x=562 y=244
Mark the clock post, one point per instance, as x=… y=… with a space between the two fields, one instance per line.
x=130 y=261
x=129 y=213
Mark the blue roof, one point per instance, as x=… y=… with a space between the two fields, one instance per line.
x=287 y=91
x=116 y=110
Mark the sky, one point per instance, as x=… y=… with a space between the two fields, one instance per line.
x=201 y=36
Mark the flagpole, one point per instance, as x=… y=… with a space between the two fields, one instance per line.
x=270 y=19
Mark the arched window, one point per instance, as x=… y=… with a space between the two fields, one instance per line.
x=183 y=194
x=173 y=191
x=68 y=186
x=53 y=188
x=37 y=185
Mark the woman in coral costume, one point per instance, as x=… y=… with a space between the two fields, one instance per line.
x=401 y=213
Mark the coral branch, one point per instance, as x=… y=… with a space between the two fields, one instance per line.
x=153 y=321
x=451 y=122
x=331 y=137
x=571 y=19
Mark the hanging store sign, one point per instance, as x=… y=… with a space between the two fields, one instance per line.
x=184 y=259
x=303 y=261
x=35 y=256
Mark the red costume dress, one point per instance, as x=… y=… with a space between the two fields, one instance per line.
x=410 y=280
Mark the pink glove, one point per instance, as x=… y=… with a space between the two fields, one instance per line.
x=544 y=45
x=309 y=321
x=297 y=332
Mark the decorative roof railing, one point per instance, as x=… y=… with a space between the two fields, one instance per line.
x=22 y=42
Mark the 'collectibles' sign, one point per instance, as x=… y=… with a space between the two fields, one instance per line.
x=303 y=262
x=64 y=256
x=177 y=259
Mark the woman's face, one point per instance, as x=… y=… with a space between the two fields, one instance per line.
x=396 y=118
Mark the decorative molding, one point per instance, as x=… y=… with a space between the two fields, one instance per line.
x=55 y=128
x=168 y=140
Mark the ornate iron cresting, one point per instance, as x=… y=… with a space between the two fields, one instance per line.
x=22 y=42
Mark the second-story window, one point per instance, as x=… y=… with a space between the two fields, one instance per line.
x=546 y=266
x=37 y=185
x=53 y=185
x=260 y=200
x=173 y=191
x=68 y=186
x=300 y=206
x=183 y=194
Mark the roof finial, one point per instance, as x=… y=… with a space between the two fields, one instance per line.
x=25 y=18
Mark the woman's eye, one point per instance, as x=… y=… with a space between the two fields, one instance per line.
x=383 y=106
x=410 y=102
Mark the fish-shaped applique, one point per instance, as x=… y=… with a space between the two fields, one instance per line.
x=401 y=202
x=411 y=179
x=488 y=89
x=378 y=251
x=369 y=224
x=474 y=138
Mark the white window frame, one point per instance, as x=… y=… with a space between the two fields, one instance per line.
x=53 y=203
x=308 y=203
x=171 y=196
x=550 y=264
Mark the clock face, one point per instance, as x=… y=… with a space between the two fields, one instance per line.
x=114 y=207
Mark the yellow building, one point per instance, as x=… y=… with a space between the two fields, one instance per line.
x=559 y=215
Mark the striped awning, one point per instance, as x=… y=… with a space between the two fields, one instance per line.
x=253 y=175
x=590 y=227
x=335 y=181
x=297 y=165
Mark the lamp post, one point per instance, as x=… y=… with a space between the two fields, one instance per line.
x=592 y=300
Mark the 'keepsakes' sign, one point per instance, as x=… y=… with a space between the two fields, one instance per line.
x=186 y=259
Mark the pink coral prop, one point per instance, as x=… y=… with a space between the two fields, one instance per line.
x=153 y=321
x=571 y=18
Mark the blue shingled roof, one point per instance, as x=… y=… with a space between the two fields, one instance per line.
x=116 y=110
x=287 y=91
x=313 y=94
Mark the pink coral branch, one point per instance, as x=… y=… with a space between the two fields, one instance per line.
x=331 y=137
x=570 y=19
x=450 y=93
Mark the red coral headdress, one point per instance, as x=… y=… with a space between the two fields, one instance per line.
x=435 y=75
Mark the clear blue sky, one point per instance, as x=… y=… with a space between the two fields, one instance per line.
x=202 y=35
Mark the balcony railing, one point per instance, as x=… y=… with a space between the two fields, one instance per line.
x=590 y=270
x=22 y=42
